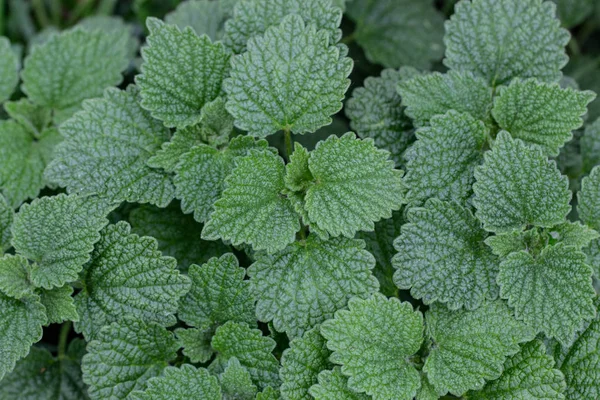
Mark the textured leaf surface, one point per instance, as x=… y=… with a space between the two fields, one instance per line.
x=20 y=326
x=185 y=382
x=251 y=349
x=195 y=343
x=355 y=185
x=253 y=17
x=252 y=208
x=89 y=60
x=105 y=151
x=40 y=376
x=236 y=382
x=128 y=276
x=529 y=374
x=372 y=340
x=31 y=116
x=218 y=294
x=442 y=161
x=495 y=40
x=590 y=146
x=307 y=282
x=58 y=233
x=425 y=96
x=588 y=206
x=517 y=186
x=178 y=235
x=59 y=304
x=301 y=77
x=14 y=276
x=470 y=347
x=541 y=114
x=180 y=74
x=124 y=357
x=573 y=234
x=268 y=394
x=6 y=219
x=333 y=385
x=203 y=16
x=9 y=69
x=301 y=364
x=553 y=292
x=375 y=112
x=382 y=29
x=442 y=257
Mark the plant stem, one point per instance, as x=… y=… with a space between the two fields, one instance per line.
x=289 y=143
x=62 y=339
x=39 y=9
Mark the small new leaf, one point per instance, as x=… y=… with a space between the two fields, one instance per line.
x=333 y=385
x=236 y=382
x=14 y=276
x=195 y=343
x=59 y=304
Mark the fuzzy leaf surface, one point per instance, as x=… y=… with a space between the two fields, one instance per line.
x=7 y=216
x=236 y=382
x=203 y=16
x=59 y=304
x=333 y=385
x=31 y=116
x=14 y=276
x=185 y=382
x=195 y=343
x=9 y=70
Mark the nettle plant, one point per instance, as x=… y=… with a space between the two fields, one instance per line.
x=215 y=240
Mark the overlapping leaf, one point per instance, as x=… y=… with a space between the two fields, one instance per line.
x=9 y=69
x=195 y=343
x=59 y=304
x=31 y=116
x=14 y=276
x=203 y=16
x=236 y=382
x=181 y=383
x=590 y=146
x=333 y=385
x=6 y=219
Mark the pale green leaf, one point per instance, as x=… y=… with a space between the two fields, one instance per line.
x=297 y=172
x=203 y=16
x=425 y=96
x=218 y=294
x=532 y=240
x=355 y=185
x=31 y=116
x=40 y=376
x=14 y=276
x=539 y=113
x=375 y=112
x=183 y=383
x=89 y=61
x=128 y=276
x=105 y=151
x=20 y=326
x=470 y=347
x=195 y=343
x=529 y=374
x=252 y=208
x=112 y=24
x=442 y=257
x=9 y=69
x=301 y=364
x=307 y=282
x=398 y=32
x=124 y=356
x=573 y=12
x=333 y=385
x=426 y=391
x=442 y=161
x=552 y=292
x=183 y=141
x=590 y=146
x=251 y=349
x=517 y=186
x=372 y=340
x=180 y=74
x=301 y=80
x=495 y=40
x=7 y=216
x=268 y=394
x=253 y=17
x=236 y=382
x=573 y=234
x=588 y=206
x=58 y=234
x=59 y=304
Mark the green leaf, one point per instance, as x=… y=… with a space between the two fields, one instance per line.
x=190 y=66
x=375 y=112
x=183 y=141
x=426 y=391
x=252 y=208
x=128 y=276
x=297 y=172
x=253 y=17
x=105 y=151
x=541 y=114
x=9 y=69
x=573 y=234
x=20 y=326
x=40 y=376
x=590 y=146
x=552 y=293
x=588 y=205
x=372 y=340
x=203 y=16
x=7 y=216
x=251 y=349
x=89 y=61
x=581 y=362
x=14 y=276
x=301 y=364
x=124 y=356
x=531 y=240
x=470 y=347
x=218 y=294
x=195 y=343
x=58 y=234
x=307 y=282
x=380 y=243
x=572 y=12
x=301 y=77
x=22 y=161
x=268 y=394
x=111 y=24
x=236 y=382
x=333 y=385
x=495 y=40
x=426 y=96
x=442 y=161
x=185 y=382
x=517 y=186
x=529 y=374
x=31 y=116
x=382 y=29
x=442 y=257
x=59 y=304
x=355 y=185
x=178 y=235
